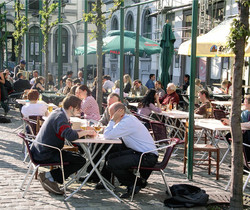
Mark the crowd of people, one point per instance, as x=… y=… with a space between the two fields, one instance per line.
x=120 y=123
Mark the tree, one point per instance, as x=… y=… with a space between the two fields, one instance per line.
x=46 y=26
x=99 y=20
x=2 y=35
x=238 y=36
x=21 y=26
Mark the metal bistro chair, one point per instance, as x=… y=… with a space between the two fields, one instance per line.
x=36 y=165
x=160 y=166
x=207 y=148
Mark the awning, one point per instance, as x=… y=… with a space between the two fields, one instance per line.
x=213 y=43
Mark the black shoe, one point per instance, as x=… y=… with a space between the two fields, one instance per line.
x=130 y=191
x=99 y=186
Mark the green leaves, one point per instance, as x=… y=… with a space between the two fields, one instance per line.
x=46 y=25
x=237 y=31
x=99 y=18
x=21 y=26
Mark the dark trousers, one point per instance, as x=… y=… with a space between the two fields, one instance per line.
x=76 y=162
x=120 y=164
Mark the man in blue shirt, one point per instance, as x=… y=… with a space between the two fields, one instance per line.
x=137 y=140
x=150 y=82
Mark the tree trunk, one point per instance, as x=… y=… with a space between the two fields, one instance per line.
x=99 y=37
x=236 y=200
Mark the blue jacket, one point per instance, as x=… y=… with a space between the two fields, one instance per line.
x=53 y=132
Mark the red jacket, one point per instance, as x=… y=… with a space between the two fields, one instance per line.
x=171 y=98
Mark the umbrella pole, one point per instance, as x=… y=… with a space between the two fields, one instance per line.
x=121 y=49
x=192 y=89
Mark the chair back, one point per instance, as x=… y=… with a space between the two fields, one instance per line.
x=34 y=124
x=159 y=130
x=168 y=152
x=27 y=144
x=246 y=156
x=218 y=114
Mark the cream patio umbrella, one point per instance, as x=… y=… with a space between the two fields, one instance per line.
x=213 y=43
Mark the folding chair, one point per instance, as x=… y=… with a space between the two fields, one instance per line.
x=160 y=166
x=33 y=164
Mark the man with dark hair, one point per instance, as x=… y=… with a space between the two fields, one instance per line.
x=20 y=67
x=137 y=140
x=107 y=84
x=150 y=83
x=65 y=77
x=21 y=84
x=186 y=82
x=53 y=132
x=138 y=87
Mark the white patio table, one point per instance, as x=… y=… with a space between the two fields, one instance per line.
x=90 y=155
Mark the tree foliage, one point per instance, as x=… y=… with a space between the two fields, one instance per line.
x=97 y=17
x=101 y=19
x=21 y=26
x=46 y=26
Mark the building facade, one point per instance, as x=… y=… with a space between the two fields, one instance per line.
x=72 y=37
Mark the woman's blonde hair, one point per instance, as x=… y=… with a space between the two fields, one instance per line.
x=127 y=79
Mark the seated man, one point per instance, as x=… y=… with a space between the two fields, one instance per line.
x=53 y=132
x=171 y=96
x=150 y=83
x=137 y=140
x=138 y=87
x=206 y=107
x=112 y=98
x=21 y=84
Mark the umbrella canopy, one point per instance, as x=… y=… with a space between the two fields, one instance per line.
x=167 y=51
x=213 y=43
x=111 y=44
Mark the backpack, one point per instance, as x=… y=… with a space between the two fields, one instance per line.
x=184 y=195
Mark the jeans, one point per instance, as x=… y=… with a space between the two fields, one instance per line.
x=120 y=164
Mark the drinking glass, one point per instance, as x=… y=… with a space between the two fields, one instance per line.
x=98 y=127
x=138 y=93
x=84 y=125
x=50 y=108
x=174 y=106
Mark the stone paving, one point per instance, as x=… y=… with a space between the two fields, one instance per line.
x=12 y=171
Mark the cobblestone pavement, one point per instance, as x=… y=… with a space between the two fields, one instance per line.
x=13 y=170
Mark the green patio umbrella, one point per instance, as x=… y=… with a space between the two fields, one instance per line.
x=167 y=51
x=111 y=44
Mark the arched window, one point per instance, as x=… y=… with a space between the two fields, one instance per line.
x=130 y=23
x=147 y=24
x=65 y=46
x=114 y=24
x=34 y=44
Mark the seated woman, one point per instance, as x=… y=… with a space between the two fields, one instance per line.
x=33 y=108
x=89 y=105
x=226 y=87
x=116 y=88
x=127 y=83
x=158 y=87
x=147 y=104
x=68 y=86
x=206 y=107
x=198 y=87
x=39 y=84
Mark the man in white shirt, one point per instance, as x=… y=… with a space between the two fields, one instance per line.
x=35 y=75
x=137 y=140
x=107 y=84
